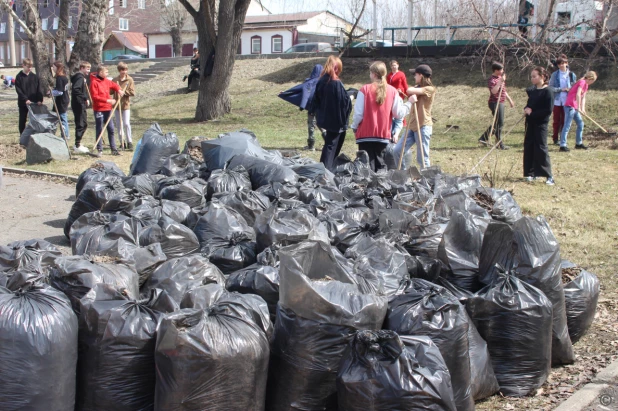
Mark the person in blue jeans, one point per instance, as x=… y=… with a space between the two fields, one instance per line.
x=422 y=95
x=576 y=104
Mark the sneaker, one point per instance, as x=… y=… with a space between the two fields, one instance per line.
x=581 y=147
x=309 y=148
x=503 y=147
x=556 y=142
x=99 y=153
x=130 y=146
x=564 y=149
x=81 y=150
x=184 y=78
x=116 y=153
x=530 y=179
x=550 y=181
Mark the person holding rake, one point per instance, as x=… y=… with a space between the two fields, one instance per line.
x=100 y=89
x=497 y=97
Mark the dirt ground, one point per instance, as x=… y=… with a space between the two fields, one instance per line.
x=34 y=208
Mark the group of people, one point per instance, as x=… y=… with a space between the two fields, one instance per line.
x=384 y=105
x=84 y=90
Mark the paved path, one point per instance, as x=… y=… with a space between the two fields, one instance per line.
x=34 y=208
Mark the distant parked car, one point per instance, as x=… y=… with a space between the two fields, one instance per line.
x=381 y=43
x=312 y=48
x=127 y=57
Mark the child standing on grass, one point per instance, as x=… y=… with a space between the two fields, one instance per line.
x=398 y=80
x=574 y=105
x=102 y=103
x=79 y=104
x=28 y=92
x=123 y=114
x=496 y=102
x=561 y=81
x=377 y=104
x=61 y=95
x=538 y=110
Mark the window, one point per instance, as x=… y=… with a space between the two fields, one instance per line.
x=1 y=52
x=141 y=4
x=2 y=27
x=123 y=24
x=21 y=28
x=45 y=3
x=57 y=2
x=44 y=24
x=23 y=51
x=256 y=45
x=55 y=26
x=277 y=44
x=70 y=22
x=123 y=4
x=111 y=7
x=564 y=18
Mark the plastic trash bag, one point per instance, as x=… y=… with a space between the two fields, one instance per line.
x=321 y=305
x=76 y=276
x=98 y=233
x=502 y=205
x=38 y=348
x=143 y=183
x=228 y=181
x=515 y=320
x=30 y=255
x=249 y=204
x=263 y=172
x=425 y=239
x=179 y=275
x=181 y=165
x=483 y=379
x=389 y=157
x=222 y=340
x=117 y=337
x=217 y=152
x=40 y=120
x=381 y=371
x=308 y=192
x=581 y=297
x=258 y=279
x=99 y=171
x=426 y=309
x=176 y=239
x=278 y=191
x=190 y=192
x=155 y=148
x=127 y=199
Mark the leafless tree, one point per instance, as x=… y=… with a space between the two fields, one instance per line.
x=173 y=16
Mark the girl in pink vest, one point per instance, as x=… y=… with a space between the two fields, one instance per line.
x=377 y=104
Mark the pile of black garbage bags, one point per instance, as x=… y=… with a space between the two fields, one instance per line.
x=254 y=281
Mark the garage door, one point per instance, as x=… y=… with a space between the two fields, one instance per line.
x=163 y=50
x=187 y=50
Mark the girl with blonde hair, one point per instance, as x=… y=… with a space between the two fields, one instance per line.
x=377 y=103
x=576 y=103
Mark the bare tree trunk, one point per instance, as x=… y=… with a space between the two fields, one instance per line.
x=176 y=41
x=38 y=44
x=548 y=22
x=90 y=34
x=61 y=34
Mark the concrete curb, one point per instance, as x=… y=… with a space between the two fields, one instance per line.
x=590 y=394
x=10 y=170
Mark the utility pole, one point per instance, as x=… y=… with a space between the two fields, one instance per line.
x=410 y=21
x=11 y=28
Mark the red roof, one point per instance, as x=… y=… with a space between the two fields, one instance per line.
x=131 y=40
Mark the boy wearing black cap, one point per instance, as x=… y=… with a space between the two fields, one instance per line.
x=497 y=82
x=422 y=94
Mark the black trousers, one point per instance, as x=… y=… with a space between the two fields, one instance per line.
x=499 y=122
x=536 y=155
x=333 y=141
x=23 y=116
x=375 y=150
x=81 y=121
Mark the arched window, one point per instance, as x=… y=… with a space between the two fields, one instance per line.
x=256 y=45
x=276 y=44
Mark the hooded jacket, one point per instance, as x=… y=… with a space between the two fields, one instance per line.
x=302 y=94
x=79 y=90
x=125 y=102
x=331 y=105
x=100 y=89
x=28 y=88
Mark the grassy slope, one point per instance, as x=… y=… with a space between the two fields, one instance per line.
x=581 y=208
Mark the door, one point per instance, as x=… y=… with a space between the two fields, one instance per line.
x=187 y=50
x=163 y=50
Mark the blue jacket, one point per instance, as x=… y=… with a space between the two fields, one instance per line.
x=302 y=94
x=554 y=81
x=331 y=105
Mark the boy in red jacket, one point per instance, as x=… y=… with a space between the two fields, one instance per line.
x=102 y=103
x=398 y=80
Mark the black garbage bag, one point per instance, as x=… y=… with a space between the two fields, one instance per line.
x=512 y=317
x=225 y=238
x=381 y=371
x=92 y=197
x=99 y=171
x=263 y=172
x=217 y=152
x=190 y=192
x=249 y=204
x=321 y=305
x=389 y=157
x=258 y=279
x=117 y=337
x=30 y=255
x=143 y=183
x=425 y=239
x=176 y=239
x=581 y=297
x=309 y=192
x=179 y=275
x=460 y=251
x=127 y=199
x=499 y=203
x=40 y=120
x=76 y=276
x=497 y=250
x=278 y=191
x=484 y=382
x=221 y=339
x=154 y=148
x=426 y=309
x=424 y=267
x=315 y=172
x=353 y=232
x=38 y=348
x=181 y=165
x=228 y=181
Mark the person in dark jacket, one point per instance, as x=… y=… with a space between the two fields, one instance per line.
x=538 y=110
x=28 y=92
x=301 y=96
x=331 y=106
x=79 y=104
x=61 y=95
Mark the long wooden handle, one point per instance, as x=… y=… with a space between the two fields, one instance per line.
x=595 y=123
x=420 y=136
x=403 y=145
x=109 y=119
x=65 y=138
x=493 y=123
x=496 y=145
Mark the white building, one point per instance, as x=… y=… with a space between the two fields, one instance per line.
x=574 y=20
